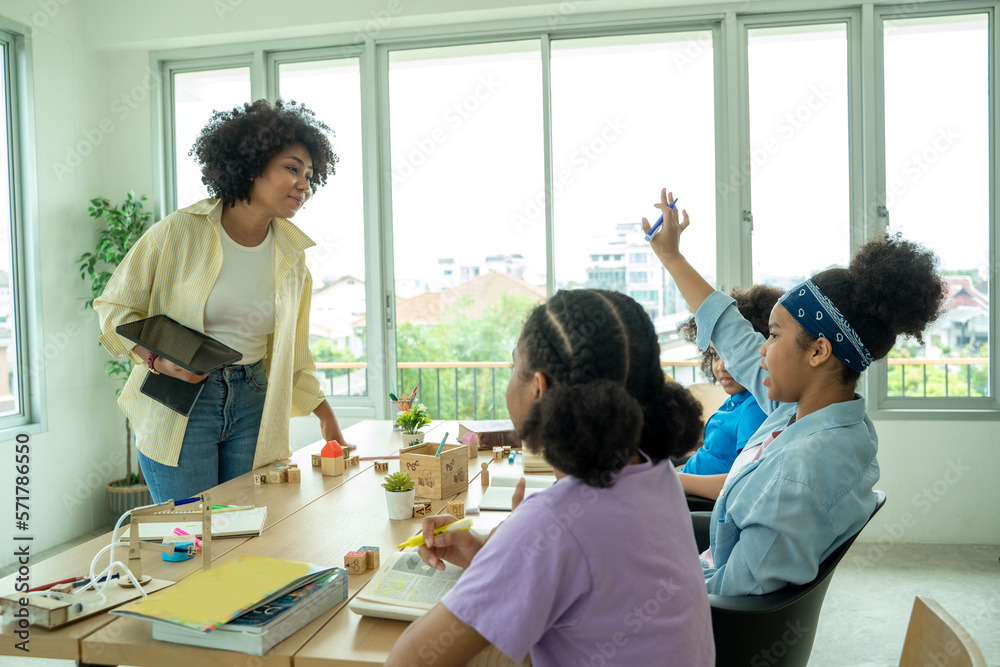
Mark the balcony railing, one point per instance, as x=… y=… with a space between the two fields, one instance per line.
x=476 y=390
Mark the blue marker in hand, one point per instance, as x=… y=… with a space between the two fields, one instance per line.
x=659 y=222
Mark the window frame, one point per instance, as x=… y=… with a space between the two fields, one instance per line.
x=728 y=24
x=876 y=383
x=25 y=248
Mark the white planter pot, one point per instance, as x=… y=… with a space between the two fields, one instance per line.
x=400 y=504
x=407 y=438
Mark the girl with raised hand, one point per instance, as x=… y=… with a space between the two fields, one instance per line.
x=803 y=483
x=601 y=567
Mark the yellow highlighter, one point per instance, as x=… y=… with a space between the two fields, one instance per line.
x=417 y=540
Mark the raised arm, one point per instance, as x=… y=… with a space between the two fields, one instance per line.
x=666 y=245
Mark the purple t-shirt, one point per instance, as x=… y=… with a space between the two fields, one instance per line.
x=583 y=576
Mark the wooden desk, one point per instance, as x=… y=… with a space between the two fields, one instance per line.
x=318 y=520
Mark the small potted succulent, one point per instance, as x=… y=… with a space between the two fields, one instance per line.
x=410 y=422
x=399 y=492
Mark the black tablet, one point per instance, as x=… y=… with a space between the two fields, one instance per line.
x=189 y=349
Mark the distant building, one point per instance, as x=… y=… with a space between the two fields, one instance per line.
x=334 y=307
x=472 y=297
x=451 y=274
x=623 y=262
x=965 y=323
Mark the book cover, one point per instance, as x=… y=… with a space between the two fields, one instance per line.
x=258 y=630
x=205 y=600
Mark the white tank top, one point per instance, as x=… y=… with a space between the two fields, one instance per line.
x=240 y=308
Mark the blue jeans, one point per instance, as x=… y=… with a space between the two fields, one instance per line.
x=221 y=436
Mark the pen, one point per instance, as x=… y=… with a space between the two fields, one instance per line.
x=442 y=444
x=417 y=540
x=659 y=223
x=234 y=508
x=186 y=501
x=512 y=454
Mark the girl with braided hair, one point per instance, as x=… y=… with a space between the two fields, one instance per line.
x=803 y=483
x=600 y=568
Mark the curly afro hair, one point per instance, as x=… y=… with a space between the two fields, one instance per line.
x=755 y=306
x=235 y=146
x=891 y=288
x=608 y=397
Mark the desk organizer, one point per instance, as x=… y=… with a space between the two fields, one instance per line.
x=436 y=476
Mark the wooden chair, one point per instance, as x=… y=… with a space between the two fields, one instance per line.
x=935 y=638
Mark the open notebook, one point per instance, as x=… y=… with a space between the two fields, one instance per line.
x=501 y=492
x=404 y=588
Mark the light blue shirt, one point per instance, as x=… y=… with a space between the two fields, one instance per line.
x=779 y=517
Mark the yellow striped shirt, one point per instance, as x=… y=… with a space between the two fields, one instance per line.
x=171 y=271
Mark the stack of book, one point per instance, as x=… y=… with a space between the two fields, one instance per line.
x=247 y=604
x=535 y=463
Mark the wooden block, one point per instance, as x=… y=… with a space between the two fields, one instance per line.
x=437 y=476
x=371 y=557
x=277 y=476
x=332 y=466
x=381 y=466
x=506 y=451
x=260 y=478
x=498 y=453
x=419 y=510
x=484 y=476
x=354 y=562
x=427 y=505
x=316 y=460
x=294 y=475
x=456 y=508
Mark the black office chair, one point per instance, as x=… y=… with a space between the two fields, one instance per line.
x=776 y=629
x=700 y=504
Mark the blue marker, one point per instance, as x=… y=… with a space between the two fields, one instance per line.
x=438 y=452
x=659 y=223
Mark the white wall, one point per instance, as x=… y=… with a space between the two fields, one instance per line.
x=84 y=437
x=91 y=62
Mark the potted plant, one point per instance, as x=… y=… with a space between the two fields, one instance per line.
x=410 y=422
x=399 y=492
x=123 y=226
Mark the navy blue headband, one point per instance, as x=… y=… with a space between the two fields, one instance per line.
x=817 y=315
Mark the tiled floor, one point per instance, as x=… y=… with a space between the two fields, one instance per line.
x=867 y=608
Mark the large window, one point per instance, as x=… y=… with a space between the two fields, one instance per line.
x=799 y=169
x=16 y=372
x=334 y=219
x=630 y=115
x=496 y=172
x=466 y=144
x=196 y=96
x=937 y=192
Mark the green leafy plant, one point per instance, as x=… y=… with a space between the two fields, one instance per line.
x=123 y=226
x=412 y=419
x=413 y=443
x=398 y=482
